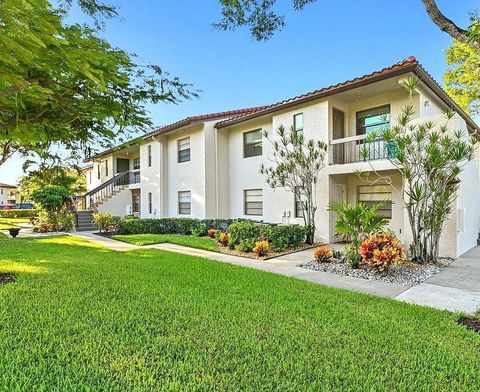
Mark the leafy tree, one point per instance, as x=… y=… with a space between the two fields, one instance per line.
x=263 y=21
x=297 y=163
x=51 y=198
x=356 y=223
x=51 y=173
x=462 y=79
x=62 y=85
x=430 y=158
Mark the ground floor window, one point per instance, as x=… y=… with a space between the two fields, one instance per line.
x=253 y=201
x=376 y=194
x=184 y=202
x=150 y=209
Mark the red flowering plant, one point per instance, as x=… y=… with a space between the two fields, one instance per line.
x=381 y=250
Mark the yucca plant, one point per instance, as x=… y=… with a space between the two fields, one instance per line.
x=355 y=223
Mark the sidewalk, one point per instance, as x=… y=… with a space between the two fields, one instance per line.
x=457 y=288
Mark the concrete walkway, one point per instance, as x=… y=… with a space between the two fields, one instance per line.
x=456 y=288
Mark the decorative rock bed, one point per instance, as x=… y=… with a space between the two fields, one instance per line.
x=407 y=274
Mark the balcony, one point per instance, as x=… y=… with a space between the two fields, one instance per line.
x=358 y=149
x=134 y=177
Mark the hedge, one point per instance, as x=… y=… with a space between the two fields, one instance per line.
x=171 y=226
x=19 y=213
x=242 y=231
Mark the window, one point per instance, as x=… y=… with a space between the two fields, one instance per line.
x=106 y=168
x=150 y=203
x=90 y=177
x=373 y=120
x=252 y=143
x=298 y=122
x=136 y=164
x=1 y=191
x=253 y=201
x=184 y=150
x=376 y=194
x=184 y=202
x=298 y=204
x=149 y=152
x=98 y=171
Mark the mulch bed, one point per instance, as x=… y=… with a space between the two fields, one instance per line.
x=7 y=278
x=470 y=323
x=270 y=255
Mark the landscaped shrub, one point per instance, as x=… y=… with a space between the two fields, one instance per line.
x=245 y=230
x=199 y=230
x=212 y=233
x=381 y=250
x=261 y=248
x=17 y=213
x=323 y=254
x=282 y=237
x=54 y=221
x=245 y=246
x=224 y=239
x=106 y=222
x=184 y=226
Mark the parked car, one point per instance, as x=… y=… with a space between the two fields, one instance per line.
x=7 y=206
x=24 y=206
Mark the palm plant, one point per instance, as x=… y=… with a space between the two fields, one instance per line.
x=355 y=223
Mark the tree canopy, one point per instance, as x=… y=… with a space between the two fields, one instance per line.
x=261 y=18
x=462 y=79
x=62 y=85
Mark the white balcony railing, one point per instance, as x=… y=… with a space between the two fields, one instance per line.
x=356 y=149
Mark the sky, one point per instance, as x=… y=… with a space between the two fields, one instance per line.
x=326 y=43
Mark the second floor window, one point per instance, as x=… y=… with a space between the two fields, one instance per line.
x=98 y=171
x=136 y=164
x=184 y=202
x=149 y=152
x=373 y=120
x=252 y=143
x=298 y=122
x=106 y=168
x=184 y=150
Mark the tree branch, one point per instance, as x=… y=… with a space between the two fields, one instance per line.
x=447 y=25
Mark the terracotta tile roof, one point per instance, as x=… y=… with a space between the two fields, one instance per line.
x=2 y=185
x=410 y=64
x=201 y=118
x=179 y=124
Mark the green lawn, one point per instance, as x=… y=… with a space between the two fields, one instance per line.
x=81 y=317
x=6 y=223
x=205 y=243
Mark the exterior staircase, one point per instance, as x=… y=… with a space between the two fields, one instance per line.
x=87 y=204
x=84 y=221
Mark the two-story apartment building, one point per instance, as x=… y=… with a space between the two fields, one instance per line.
x=208 y=166
x=8 y=195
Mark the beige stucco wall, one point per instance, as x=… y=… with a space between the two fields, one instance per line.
x=8 y=196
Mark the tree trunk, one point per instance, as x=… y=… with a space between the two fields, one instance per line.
x=447 y=25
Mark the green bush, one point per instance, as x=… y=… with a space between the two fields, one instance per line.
x=245 y=230
x=245 y=245
x=55 y=221
x=184 y=226
x=199 y=230
x=106 y=222
x=282 y=237
x=17 y=213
